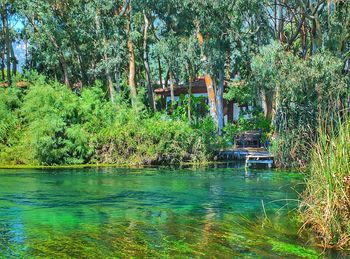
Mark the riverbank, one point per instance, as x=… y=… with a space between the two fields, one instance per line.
x=124 y=165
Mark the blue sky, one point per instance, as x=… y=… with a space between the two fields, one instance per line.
x=19 y=46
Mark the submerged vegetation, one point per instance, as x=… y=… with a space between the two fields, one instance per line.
x=156 y=213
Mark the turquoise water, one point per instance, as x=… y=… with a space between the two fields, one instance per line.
x=101 y=213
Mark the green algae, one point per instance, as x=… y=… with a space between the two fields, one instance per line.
x=293 y=249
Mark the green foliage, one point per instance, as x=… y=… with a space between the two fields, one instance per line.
x=199 y=109
x=252 y=119
x=60 y=127
x=9 y=103
x=241 y=95
x=154 y=139
x=303 y=91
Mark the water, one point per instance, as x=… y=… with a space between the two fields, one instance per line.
x=90 y=213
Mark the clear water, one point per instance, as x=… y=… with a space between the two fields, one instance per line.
x=101 y=213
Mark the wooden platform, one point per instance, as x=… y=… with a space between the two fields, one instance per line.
x=259 y=160
x=251 y=156
x=241 y=153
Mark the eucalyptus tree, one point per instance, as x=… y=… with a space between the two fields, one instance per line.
x=83 y=40
x=167 y=48
x=49 y=36
x=8 y=37
x=189 y=56
x=144 y=10
x=109 y=42
x=222 y=28
x=168 y=32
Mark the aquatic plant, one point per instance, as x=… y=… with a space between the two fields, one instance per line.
x=325 y=207
x=296 y=250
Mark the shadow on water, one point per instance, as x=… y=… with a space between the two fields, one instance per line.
x=218 y=211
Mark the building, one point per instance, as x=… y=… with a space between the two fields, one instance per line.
x=232 y=109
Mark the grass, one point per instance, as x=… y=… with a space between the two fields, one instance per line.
x=326 y=201
x=61 y=166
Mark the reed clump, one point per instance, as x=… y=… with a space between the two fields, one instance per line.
x=325 y=206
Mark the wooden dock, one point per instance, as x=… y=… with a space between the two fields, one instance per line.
x=241 y=153
x=259 y=160
x=251 y=156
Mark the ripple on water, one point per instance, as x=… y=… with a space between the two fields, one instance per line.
x=150 y=213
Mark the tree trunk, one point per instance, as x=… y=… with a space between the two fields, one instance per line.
x=117 y=79
x=303 y=33
x=172 y=95
x=26 y=55
x=14 y=61
x=6 y=35
x=61 y=57
x=160 y=72
x=208 y=81
x=3 y=64
x=275 y=18
x=166 y=79
x=189 y=95
x=110 y=87
x=280 y=28
x=220 y=100
x=266 y=102
x=65 y=69
x=146 y=64
x=211 y=98
x=317 y=35
x=132 y=69
x=109 y=78
x=82 y=72
x=100 y=33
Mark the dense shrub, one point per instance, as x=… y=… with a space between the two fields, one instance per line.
x=150 y=139
x=9 y=103
x=58 y=126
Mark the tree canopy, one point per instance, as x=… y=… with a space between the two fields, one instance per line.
x=293 y=56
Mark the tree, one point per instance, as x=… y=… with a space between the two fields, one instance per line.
x=7 y=39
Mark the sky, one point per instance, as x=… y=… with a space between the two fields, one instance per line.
x=20 y=52
x=19 y=47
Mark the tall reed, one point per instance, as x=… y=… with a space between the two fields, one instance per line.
x=325 y=206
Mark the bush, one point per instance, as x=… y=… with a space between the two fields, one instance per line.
x=58 y=126
x=153 y=139
x=9 y=103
